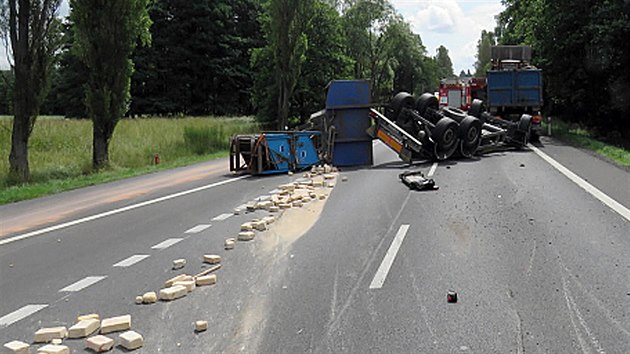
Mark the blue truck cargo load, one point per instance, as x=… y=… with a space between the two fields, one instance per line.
x=515 y=89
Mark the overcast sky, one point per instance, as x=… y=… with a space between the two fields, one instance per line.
x=456 y=24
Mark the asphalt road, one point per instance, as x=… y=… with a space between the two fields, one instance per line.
x=539 y=264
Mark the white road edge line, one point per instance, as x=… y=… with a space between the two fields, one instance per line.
x=128 y=262
x=197 y=229
x=611 y=203
x=116 y=211
x=432 y=170
x=166 y=243
x=386 y=264
x=20 y=313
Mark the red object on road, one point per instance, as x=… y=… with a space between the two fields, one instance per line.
x=451 y=297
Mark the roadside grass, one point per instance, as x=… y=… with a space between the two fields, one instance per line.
x=60 y=150
x=581 y=137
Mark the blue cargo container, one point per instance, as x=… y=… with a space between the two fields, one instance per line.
x=348 y=102
x=511 y=89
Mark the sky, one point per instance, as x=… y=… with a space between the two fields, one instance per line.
x=455 y=24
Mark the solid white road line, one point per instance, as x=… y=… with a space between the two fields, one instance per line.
x=116 y=211
x=386 y=264
x=611 y=203
x=197 y=228
x=432 y=170
x=19 y=314
x=166 y=243
x=83 y=283
x=222 y=217
x=131 y=260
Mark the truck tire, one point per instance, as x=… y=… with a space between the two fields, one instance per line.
x=469 y=135
x=401 y=101
x=523 y=130
x=426 y=101
x=454 y=113
x=476 y=108
x=444 y=138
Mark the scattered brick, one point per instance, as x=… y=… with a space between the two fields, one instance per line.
x=212 y=258
x=131 y=340
x=84 y=328
x=248 y=226
x=44 y=335
x=179 y=263
x=138 y=300
x=149 y=298
x=53 y=349
x=246 y=236
x=229 y=244
x=201 y=326
x=115 y=324
x=94 y=316
x=171 y=281
x=188 y=284
x=172 y=293
x=206 y=280
x=99 y=343
x=17 y=347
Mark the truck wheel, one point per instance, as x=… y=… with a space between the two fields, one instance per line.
x=476 y=108
x=399 y=102
x=454 y=113
x=445 y=138
x=470 y=136
x=425 y=101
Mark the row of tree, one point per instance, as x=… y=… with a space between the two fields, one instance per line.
x=583 y=48
x=272 y=58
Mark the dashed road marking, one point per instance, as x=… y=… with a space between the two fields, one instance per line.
x=432 y=170
x=386 y=264
x=166 y=243
x=128 y=262
x=20 y=313
x=197 y=228
x=116 y=211
x=611 y=203
x=222 y=217
x=83 y=283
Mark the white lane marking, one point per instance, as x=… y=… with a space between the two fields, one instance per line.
x=197 y=229
x=131 y=260
x=116 y=211
x=19 y=314
x=222 y=217
x=166 y=243
x=381 y=273
x=432 y=170
x=611 y=203
x=83 y=283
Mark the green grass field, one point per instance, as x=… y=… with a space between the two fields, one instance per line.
x=60 y=150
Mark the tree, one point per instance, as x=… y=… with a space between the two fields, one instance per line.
x=32 y=29
x=106 y=34
x=365 y=26
x=325 y=60
x=484 y=45
x=288 y=22
x=199 y=59
x=444 y=63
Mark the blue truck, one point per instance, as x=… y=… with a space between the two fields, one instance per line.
x=514 y=86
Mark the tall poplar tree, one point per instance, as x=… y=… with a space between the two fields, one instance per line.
x=107 y=32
